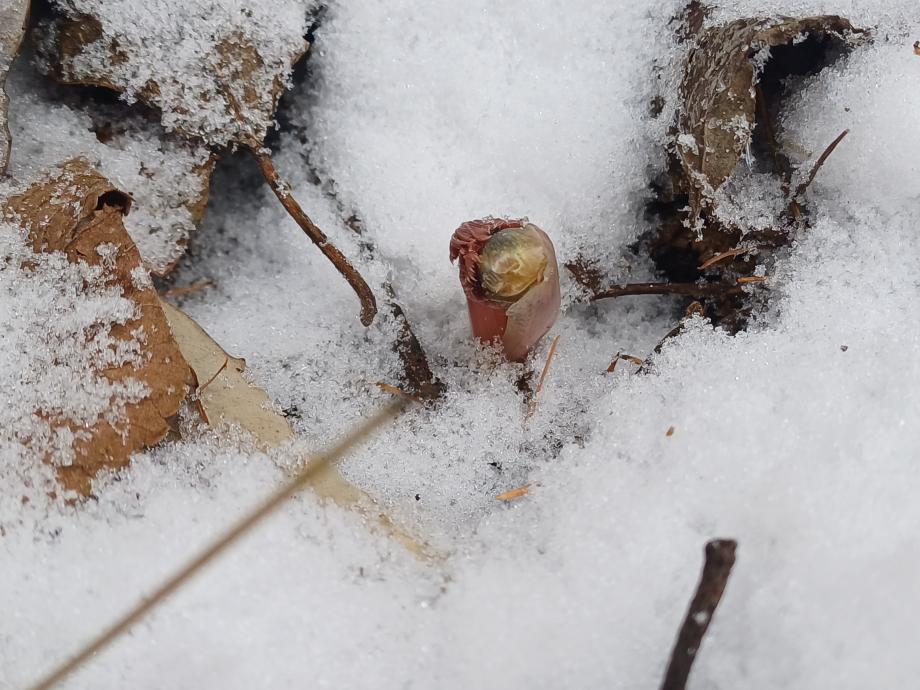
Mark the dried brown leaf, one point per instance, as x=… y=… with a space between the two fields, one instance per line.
x=226 y=92
x=230 y=398
x=77 y=211
x=13 y=17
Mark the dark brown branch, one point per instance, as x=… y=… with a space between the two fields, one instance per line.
x=419 y=377
x=219 y=546
x=688 y=289
x=349 y=272
x=720 y=557
x=818 y=163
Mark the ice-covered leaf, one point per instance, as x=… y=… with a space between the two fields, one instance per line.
x=215 y=68
x=166 y=175
x=100 y=372
x=13 y=14
x=226 y=396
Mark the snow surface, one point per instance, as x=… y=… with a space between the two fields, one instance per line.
x=797 y=437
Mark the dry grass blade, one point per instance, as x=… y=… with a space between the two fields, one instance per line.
x=514 y=493
x=532 y=405
x=730 y=254
x=343 y=265
x=219 y=546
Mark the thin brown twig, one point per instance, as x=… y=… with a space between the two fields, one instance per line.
x=688 y=289
x=532 y=405
x=187 y=289
x=730 y=254
x=818 y=163
x=219 y=546
x=343 y=265
x=720 y=557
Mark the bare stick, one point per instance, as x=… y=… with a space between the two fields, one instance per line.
x=818 y=163
x=349 y=272
x=688 y=289
x=221 y=544
x=532 y=405
x=720 y=557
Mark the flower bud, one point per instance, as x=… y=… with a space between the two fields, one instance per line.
x=509 y=274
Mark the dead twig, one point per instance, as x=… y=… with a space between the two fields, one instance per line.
x=688 y=289
x=343 y=265
x=817 y=166
x=720 y=557
x=219 y=546
x=730 y=254
x=532 y=405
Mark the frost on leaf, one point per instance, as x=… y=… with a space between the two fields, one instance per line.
x=13 y=14
x=108 y=374
x=728 y=198
x=165 y=175
x=214 y=68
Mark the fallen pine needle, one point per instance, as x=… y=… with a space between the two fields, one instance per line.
x=628 y=358
x=532 y=405
x=387 y=388
x=514 y=493
x=752 y=279
x=731 y=253
x=188 y=289
x=218 y=547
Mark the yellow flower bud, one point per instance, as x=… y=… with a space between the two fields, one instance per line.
x=511 y=262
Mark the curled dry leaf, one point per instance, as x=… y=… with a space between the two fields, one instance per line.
x=719 y=99
x=79 y=213
x=714 y=211
x=214 y=69
x=166 y=175
x=226 y=396
x=13 y=16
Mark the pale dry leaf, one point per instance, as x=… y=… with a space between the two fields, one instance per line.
x=214 y=68
x=13 y=16
x=226 y=396
x=78 y=212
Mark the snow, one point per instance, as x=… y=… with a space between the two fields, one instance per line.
x=797 y=437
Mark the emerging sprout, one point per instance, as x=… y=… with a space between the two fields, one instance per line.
x=509 y=274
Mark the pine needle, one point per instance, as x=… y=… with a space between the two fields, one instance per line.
x=532 y=405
